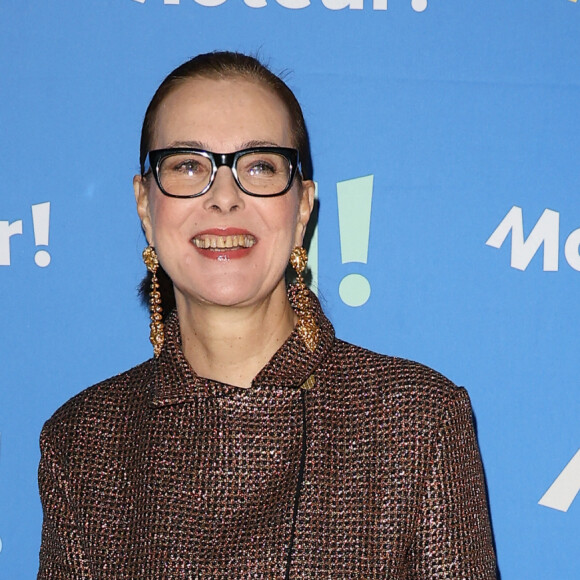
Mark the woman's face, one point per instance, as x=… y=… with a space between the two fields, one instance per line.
x=223 y=116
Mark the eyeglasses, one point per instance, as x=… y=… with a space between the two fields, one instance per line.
x=258 y=171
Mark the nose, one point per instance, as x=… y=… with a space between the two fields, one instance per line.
x=224 y=195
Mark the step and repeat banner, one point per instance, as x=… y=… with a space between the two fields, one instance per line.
x=446 y=147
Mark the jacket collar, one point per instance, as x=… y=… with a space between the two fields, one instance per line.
x=174 y=381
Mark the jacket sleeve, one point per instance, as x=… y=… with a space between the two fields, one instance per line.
x=61 y=551
x=453 y=538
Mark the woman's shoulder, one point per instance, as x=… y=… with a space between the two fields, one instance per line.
x=395 y=379
x=106 y=401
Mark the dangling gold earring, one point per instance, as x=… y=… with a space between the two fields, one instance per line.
x=157 y=334
x=307 y=327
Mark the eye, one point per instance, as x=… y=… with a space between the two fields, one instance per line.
x=261 y=167
x=185 y=166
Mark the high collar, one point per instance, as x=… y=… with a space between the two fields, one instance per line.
x=174 y=381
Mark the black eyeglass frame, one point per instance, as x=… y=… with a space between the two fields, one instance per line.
x=155 y=158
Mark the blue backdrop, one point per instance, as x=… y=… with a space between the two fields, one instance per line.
x=455 y=127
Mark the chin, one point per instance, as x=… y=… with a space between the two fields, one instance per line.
x=223 y=295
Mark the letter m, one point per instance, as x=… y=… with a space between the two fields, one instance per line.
x=546 y=231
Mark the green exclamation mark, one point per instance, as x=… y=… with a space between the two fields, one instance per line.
x=313 y=251
x=354 y=220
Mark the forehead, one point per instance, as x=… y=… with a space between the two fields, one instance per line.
x=222 y=115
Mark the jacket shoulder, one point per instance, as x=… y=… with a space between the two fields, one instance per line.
x=113 y=398
x=396 y=380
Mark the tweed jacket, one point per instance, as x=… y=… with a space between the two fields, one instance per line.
x=337 y=463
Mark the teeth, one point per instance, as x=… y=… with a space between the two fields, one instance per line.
x=206 y=242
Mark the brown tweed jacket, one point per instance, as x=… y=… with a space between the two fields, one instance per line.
x=373 y=471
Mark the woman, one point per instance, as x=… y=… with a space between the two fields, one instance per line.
x=254 y=444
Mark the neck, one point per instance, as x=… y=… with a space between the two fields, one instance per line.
x=232 y=344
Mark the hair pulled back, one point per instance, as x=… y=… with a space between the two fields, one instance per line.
x=219 y=65
x=226 y=65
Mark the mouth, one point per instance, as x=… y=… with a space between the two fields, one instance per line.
x=219 y=243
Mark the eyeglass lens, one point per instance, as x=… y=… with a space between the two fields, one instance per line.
x=260 y=173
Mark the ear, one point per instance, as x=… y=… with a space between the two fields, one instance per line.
x=142 y=199
x=305 y=206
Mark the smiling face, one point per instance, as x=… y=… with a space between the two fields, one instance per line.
x=224 y=247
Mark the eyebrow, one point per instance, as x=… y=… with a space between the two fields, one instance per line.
x=201 y=145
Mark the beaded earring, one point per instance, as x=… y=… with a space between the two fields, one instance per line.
x=306 y=326
x=157 y=334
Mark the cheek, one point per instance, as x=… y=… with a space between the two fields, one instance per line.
x=297 y=219
x=167 y=216
x=284 y=216
x=283 y=230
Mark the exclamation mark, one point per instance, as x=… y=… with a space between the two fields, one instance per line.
x=354 y=221
x=41 y=224
x=564 y=490
x=313 y=251
x=419 y=5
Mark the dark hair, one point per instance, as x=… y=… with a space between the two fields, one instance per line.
x=219 y=65
x=224 y=65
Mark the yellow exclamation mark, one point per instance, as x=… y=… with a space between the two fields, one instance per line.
x=41 y=224
x=354 y=221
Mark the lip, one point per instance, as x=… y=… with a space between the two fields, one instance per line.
x=224 y=254
x=229 y=231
